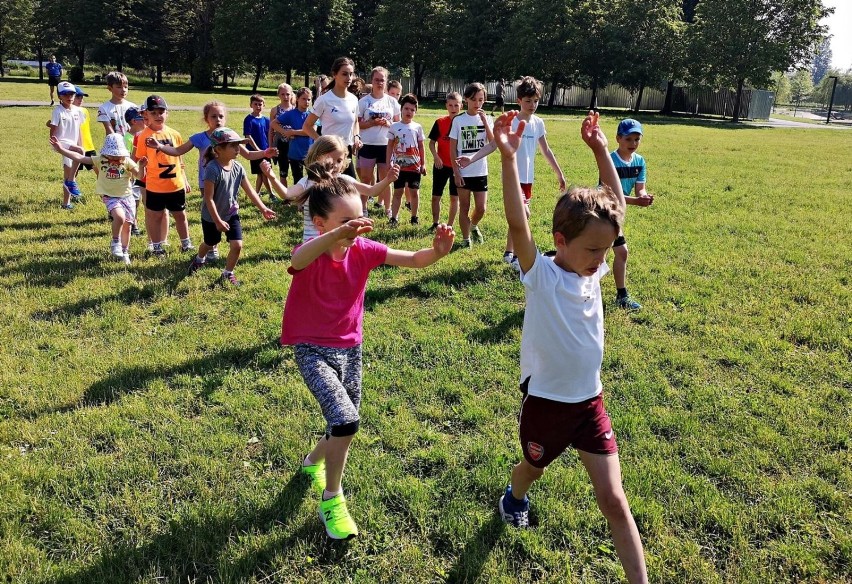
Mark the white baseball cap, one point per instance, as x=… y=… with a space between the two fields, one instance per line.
x=65 y=87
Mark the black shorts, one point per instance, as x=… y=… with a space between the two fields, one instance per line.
x=440 y=178
x=175 y=201
x=374 y=152
x=212 y=235
x=53 y=81
x=619 y=241
x=498 y=102
x=255 y=165
x=283 y=151
x=297 y=169
x=350 y=170
x=407 y=178
x=475 y=184
x=88 y=153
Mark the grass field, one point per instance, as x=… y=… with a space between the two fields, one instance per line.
x=151 y=429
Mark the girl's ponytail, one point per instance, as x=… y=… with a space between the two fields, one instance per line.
x=327 y=188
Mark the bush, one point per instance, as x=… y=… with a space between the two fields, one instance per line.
x=76 y=75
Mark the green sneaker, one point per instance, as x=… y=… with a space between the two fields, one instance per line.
x=316 y=472
x=335 y=516
x=477 y=235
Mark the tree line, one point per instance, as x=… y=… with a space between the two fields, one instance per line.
x=587 y=43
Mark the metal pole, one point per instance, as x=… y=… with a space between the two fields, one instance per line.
x=831 y=101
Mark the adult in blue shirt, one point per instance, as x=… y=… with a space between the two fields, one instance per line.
x=54 y=75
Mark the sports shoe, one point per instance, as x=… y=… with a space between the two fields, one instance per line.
x=393 y=222
x=466 y=243
x=150 y=248
x=134 y=230
x=627 y=303
x=67 y=206
x=187 y=246
x=415 y=221
x=433 y=228
x=378 y=205
x=194 y=265
x=408 y=205
x=229 y=279
x=335 y=516
x=477 y=234
x=73 y=188
x=126 y=259
x=212 y=255
x=115 y=249
x=515 y=264
x=157 y=251
x=273 y=198
x=52 y=102
x=316 y=472
x=507 y=257
x=518 y=517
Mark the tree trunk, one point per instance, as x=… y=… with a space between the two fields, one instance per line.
x=120 y=59
x=554 y=86
x=224 y=78
x=40 y=57
x=159 y=72
x=593 y=103
x=2 y=73
x=667 y=105
x=419 y=70
x=638 y=99
x=258 y=70
x=80 y=52
x=289 y=76
x=737 y=100
x=308 y=82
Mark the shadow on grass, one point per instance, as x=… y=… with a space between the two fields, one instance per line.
x=128 y=296
x=190 y=549
x=500 y=332
x=433 y=285
x=468 y=566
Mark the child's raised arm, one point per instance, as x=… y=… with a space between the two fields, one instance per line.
x=595 y=139
x=168 y=149
x=76 y=157
x=373 y=190
x=442 y=243
x=258 y=154
x=508 y=143
x=317 y=246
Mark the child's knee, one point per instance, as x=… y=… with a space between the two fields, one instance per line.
x=345 y=430
x=620 y=252
x=236 y=244
x=613 y=504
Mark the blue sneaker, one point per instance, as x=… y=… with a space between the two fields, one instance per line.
x=627 y=303
x=73 y=188
x=512 y=513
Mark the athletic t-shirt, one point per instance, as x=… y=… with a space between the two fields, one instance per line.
x=164 y=173
x=258 y=129
x=201 y=141
x=325 y=303
x=68 y=122
x=563 y=336
x=309 y=230
x=226 y=189
x=53 y=69
x=113 y=113
x=533 y=131
x=370 y=108
x=114 y=180
x=405 y=139
x=86 y=131
x=337 y=115
x=469 y=131
x=629 y=172
x=295 y=120
x=440 y=133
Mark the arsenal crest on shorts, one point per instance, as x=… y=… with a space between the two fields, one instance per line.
x=536 y=450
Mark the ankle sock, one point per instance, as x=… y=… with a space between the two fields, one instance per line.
x=326 y=495
x=621 y=293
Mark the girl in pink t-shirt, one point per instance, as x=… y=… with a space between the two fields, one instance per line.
x=323 y=318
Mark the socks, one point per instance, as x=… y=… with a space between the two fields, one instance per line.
x=621 y=293
x=326 y=495
x=185 y=242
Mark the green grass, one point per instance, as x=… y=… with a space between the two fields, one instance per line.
x=151 y=429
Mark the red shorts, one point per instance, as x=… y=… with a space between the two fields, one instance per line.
x=548 y=428
x=526 y=188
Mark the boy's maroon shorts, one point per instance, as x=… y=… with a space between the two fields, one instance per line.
x=548 y=427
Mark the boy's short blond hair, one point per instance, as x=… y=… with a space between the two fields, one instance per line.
x=116 y=78
x=580 y=205
x=454 y=95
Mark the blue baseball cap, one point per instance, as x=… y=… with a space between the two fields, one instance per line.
x=79 y=91
x=132 y=114
x=629 y=126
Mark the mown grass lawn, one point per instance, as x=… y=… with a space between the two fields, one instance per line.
x=151 y=429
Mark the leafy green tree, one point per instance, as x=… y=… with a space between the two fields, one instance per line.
x=682 y=55
x=15 y=35
x=801 y=86
x=597 y=44
x=423 y=23
x=781 y=84
x=476 y=28
x=746 y=41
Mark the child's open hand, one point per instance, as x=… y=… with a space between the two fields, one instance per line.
x=222 y=225
x=508 y=141
x=592 y=133
x=142 y=162
x=268 y=213
x=151 y=142
x=54 y=143
x=442 y=243
x=270 y=152
x=353 y=228
x=266 y=168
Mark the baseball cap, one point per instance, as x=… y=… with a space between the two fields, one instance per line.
x=114 y=146
x=225 y=136
x=65 y=87
x=79 y=91
x=629 y=126
x=132 y=114
x=155 y=102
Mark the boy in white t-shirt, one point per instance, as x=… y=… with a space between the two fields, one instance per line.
x=112 y=112
x=65 y=123
x=529 y=94
x=563 y=339
x=405 y=148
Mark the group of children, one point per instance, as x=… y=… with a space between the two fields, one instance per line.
x=323 y=313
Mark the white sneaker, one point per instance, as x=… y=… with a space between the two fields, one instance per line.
x=507 y=257
x=212 y=255
x=115 y=249
x=515 y=264
x=126 y=259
